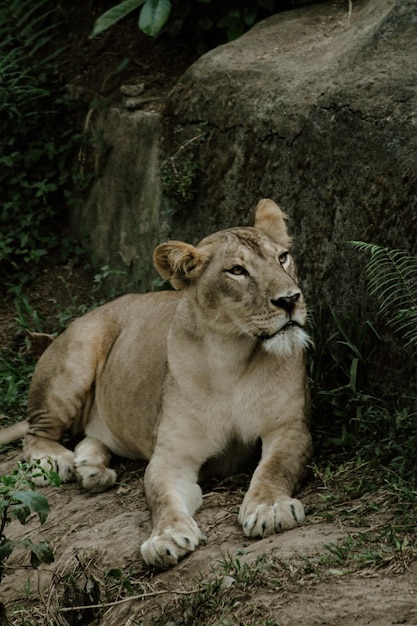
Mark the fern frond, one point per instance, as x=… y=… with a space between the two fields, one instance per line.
x=27 y=56
x=392 y=276
x=406 y=325
x=23 y=11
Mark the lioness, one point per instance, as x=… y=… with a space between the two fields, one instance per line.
x=177 y=377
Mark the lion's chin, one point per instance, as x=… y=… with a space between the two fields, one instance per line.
x=287 y=341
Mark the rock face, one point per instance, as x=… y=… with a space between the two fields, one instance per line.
x=315 y=108
x=318 y=111
x=121 y=213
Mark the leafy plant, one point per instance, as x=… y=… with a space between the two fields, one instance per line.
x=244 y=574
x=205 y=15
x=393 y=280
x=152 y=16
x=19 y=500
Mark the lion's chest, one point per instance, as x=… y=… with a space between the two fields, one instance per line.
x=225 y=399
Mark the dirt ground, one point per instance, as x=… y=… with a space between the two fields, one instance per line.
x=96 y=538
x=95 y=535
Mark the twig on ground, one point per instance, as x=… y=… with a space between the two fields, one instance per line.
x=123 y=600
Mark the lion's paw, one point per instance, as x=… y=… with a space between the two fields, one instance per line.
x=62 y=464
x=166 y=549
x=96 y=478
x=262 y=519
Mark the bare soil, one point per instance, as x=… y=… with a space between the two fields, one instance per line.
x=96 y=538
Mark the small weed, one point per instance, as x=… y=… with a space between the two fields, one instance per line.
x=208 y=600
x=217 y=601
x=103 y=276
x=244 y=574
x=27 y=318
x=371 y=550
x=118 y=582
x=179 y=171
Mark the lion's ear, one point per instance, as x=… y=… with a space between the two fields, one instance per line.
x=271 y=220
x=179 y=263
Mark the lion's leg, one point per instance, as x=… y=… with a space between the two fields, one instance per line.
x=173 y=496
x=59 y=398
x=91 y=462
x=268 y=506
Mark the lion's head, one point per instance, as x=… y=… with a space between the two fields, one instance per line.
x=243 y=281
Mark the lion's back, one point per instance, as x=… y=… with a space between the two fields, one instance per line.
x=114 y=357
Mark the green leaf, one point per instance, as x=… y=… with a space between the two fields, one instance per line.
x=6 y=548
x=153 y=16
x=113 y=15
x=34 y=501
x=21 y=512
x=41 y=553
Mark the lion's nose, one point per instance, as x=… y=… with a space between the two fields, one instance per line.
x=287 y=302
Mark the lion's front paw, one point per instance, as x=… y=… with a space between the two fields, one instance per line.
x=262 y=519
x=167 y=548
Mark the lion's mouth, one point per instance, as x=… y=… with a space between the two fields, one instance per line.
x=290 y=324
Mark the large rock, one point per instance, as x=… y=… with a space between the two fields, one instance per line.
x=121 y=212
x=317 y=110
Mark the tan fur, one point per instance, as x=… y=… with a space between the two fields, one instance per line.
x=11 y=433
x=182 y=377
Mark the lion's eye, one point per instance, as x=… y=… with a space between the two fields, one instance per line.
x=283 y=258
x=237 y=270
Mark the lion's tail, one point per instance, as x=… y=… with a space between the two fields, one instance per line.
x=14 y=432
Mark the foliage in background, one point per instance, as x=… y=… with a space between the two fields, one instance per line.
x=393 y=280
x=15 y=374
x=348 y=415
x=232 y=18
x=337 y=368
x=35 y=141
x=349 y=421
